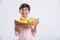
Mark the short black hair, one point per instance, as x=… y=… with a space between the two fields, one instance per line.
x=24 y=5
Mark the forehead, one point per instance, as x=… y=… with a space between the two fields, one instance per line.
x=24 y=8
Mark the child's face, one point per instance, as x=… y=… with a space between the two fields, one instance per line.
x=24 y=12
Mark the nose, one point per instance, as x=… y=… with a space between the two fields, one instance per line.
x=23 y=11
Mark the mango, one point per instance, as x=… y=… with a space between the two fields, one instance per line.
x=31 y=19
x=26 y=20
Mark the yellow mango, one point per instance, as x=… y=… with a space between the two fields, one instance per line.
x=24 y=20
x=31 y=19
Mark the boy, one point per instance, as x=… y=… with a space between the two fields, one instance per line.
x=25 y=32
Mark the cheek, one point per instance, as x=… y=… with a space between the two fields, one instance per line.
x=20 y=11
x=26 y=12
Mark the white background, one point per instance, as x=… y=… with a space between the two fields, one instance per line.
x=47 y=10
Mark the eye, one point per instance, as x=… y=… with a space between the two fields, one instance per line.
x=22 y=9
x=25 y=9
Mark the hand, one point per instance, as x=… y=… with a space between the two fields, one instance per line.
x=16 y=26
x=36 y=22
x=19 y=24
x=16 y=22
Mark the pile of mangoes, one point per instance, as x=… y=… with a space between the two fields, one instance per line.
x=26 y=20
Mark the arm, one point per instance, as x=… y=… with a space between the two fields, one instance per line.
x=16 y=26
x=35 y=23
x=35 y=29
